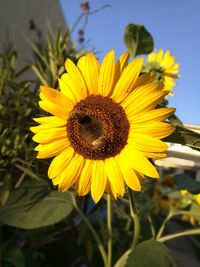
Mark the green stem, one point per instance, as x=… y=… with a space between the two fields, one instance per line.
x=135 y=217
x=185 y=233
x=109 y=225
x=161 y=230
x=151 y=226
x=93 y=232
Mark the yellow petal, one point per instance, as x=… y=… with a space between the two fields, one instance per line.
x=145 y=103
x=114 y=175
x=127 y=80
x=83 y=184
x=121 y=64
x=43 y=127
x=123 y=60
x=107 y=74
x=42 y=96
x=168 y=60
x=144 y=79
x=72 y=87
x=71 y=172
x=130 y=176
x=154 y=155
x=59 y=163
x=139 y=162
x=159 y=55
x=109 y=189
x=159 y=114
x=99 y=180
x=77 y=78
x=66 y=87
x=151 y=57
x=56 y=97
x=141 y=93
x=144 y=142
x=53 y=120
x=51 y=149
x=90 y=68
x=54 y=109
x=50 y=135
x=156 y=129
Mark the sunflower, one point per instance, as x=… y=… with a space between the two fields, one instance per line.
x=103 y=126
x=164 y=67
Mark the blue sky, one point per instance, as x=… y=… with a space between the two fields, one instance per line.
x=174 y=25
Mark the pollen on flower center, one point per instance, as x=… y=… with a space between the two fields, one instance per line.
x=97 y=127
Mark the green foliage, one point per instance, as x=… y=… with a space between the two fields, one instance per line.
x=15 y=257
x=185 y=181
x=17 y=107
x=33 y=205
x=186 y=203
x=138 y=40
x=185 y=137
x=50 y=57
x=150 y=253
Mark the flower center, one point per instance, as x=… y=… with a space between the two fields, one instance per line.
x=97 y=127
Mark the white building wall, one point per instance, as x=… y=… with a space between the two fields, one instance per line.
x=18 y=18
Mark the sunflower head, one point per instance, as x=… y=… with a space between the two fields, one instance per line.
x=164 y=68
x=103 y=126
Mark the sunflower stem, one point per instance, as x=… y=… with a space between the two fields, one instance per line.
x=135 y=217
x=180 y=234
x=109 y=226
x=162 y=228
x=93 y=232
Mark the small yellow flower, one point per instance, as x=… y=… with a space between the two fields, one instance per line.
x=104 y=126
x=164 y=67
x=193 y=199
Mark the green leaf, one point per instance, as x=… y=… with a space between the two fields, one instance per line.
x=16 y=258
x=138 y=40
x=39 y=75
x=185 y=181
x=33 y=205
x=21 y=71
x=5 y=189
x=185 y=137
x=150 y=253
x=28 y=172
x=4 y=194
